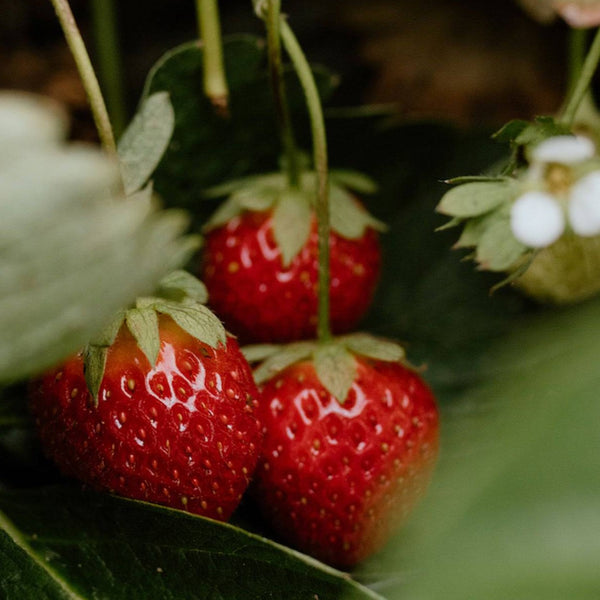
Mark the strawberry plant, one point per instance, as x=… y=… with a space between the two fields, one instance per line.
x=363 y=488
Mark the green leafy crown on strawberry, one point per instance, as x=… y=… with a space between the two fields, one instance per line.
x=293 y=208
x=180 y=296
x=510 y=218
x=334 y=360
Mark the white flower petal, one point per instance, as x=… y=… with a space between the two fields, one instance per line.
x=564 y=149
x=584 y=205
x=536 y=219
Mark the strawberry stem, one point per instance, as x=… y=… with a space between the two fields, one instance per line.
x=580 y=88
x=272 y=22
x=87 y=74
x=110 y=64
x=317 y=123
x=215 y=82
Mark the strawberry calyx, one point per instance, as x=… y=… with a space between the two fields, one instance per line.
x=294 y=207
x=180 y=296
x=334 y=359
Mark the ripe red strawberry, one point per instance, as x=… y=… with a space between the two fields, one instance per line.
x=260 y=262
x=182 y=433
x=336 y=478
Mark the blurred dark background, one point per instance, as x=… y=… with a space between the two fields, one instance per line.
x=475 y=63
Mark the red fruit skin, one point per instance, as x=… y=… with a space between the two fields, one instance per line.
x=336 y=480
x=184 y=433
x=261 y=301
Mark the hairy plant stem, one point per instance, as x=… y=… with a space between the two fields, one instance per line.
x=288 y=141
x=87 y=74
x=209 y=28
x=580 y=87
x=110 y=65
x=317 y=123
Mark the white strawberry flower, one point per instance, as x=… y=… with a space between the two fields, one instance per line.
x=564 y=149
x=538 y=217
x=584 y=205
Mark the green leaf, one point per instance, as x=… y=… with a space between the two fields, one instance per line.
x=336 y=369
x=258 y=352
x=143 y=325
x=541 y=129
x=509 y=132
x=258 y=197
x=498 y=249
x=244 y=143
x=474 y=179
x=474 y=199
x=348 y=218
x=181 y=284
x=373 y=347
x=224 y=213
x=60 y=278
x=473 y=230
x=145 y=140
x=109 y=332
x=29 y=121
x=454 y=222
x=61 y=543
x=512 y=512
x=292 y=220
x=196 y=319
x=354 y=180
x=286 y=356
x=95 y=364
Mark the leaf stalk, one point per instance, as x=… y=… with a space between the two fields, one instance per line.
x=319 y=138
x=272 y=22
x=87 y=74
x=209 y=28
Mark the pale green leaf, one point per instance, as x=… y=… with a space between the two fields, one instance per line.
x=180 y=284
x=28 y=121
x=143 y=325
x=477 y=198
x=258 y=198
x=109 y=332
x=95 y=363
x=354 y=180
x=72 y=256
x=292 y=220
x=145 y=140
x=373 y=347
x=229 y=187
x=288 y=355
x=474 y=179
x=196 y=319
x=498 y=249
x=473 y=230
x=258 y=352
x=454 y=222
x=226 y=211
x=336 y=369
x=348 y=218
x=512 y=512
